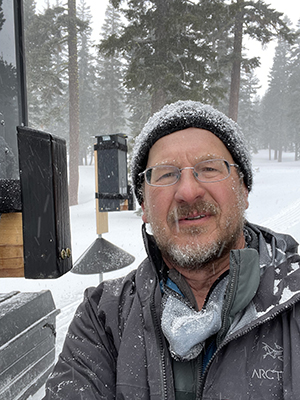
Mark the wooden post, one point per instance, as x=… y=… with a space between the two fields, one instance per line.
x=11 y=246
x=101 y=217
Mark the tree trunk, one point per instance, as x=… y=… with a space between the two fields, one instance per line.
x=236 y=64
x=158 y=98
x=280 y=154
x=73 y=105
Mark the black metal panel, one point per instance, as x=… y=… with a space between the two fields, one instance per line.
x=13 y=99
x=20 y=61
x=27 y=342
x=44 y=189
x=13 y=102
x=112 y=171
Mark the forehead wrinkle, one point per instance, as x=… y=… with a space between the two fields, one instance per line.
x=197 y=159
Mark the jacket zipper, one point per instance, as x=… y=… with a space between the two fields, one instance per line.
x=231 y=291
x=161 y=346
x=228 y=304
x=234 y=337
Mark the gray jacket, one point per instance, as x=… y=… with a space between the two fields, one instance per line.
x=115 y=348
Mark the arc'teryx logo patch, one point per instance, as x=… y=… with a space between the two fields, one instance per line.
x=276 y=352
x=270 y=374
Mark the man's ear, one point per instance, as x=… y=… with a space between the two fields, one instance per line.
x=144 y=216
x=245 y=195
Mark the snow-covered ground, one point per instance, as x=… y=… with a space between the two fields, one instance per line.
x=274 y=202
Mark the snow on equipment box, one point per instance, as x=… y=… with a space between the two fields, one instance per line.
x=27 y=342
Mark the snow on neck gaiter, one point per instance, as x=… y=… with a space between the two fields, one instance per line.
x=187 y=329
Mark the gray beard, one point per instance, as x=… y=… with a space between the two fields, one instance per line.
x=196 y=256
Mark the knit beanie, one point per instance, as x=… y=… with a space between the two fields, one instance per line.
x=182 y=115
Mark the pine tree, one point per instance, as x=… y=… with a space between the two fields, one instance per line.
x=275 y=101
x=260 y=22
x=9 y=112
x=2 y=19
x=73 y=104
x=110 y=71
x=60 y=124
x=170 y=48
x=52 y=69
x=249 y=115
x=88 y=109
x=8 y=118
x=44 y=43
x=139 y=103
x=294 y=95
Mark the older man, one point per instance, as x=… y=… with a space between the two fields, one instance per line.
x=213 y=311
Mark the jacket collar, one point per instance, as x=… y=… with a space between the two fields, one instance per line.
x=280 y=283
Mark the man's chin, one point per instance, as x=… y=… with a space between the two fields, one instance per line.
x=191 y=257
x=194 y=236
x=188 y=253
x=189 y=232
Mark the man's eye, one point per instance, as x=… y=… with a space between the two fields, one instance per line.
x=167 y=175
x=208 y=169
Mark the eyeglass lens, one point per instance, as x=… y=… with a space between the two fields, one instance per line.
x=205 y=171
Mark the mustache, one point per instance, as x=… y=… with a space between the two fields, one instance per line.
x=185 y=210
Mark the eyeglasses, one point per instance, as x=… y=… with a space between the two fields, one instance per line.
x=209 y=171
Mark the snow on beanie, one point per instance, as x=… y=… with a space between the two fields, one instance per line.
x=182 y=115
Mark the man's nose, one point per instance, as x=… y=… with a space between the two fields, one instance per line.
x=188 y=188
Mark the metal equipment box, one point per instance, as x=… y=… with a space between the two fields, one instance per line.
x=45 y=204
x=112 y=171
x=27 y=342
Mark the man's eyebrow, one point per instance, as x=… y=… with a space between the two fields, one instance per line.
x=209 y=157
x=165 y=162
x=205 y=157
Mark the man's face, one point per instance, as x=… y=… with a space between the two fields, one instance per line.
x=194 y=223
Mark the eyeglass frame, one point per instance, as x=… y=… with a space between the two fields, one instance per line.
x=228 y=166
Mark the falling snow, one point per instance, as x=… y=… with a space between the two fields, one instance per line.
x=273 y=203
